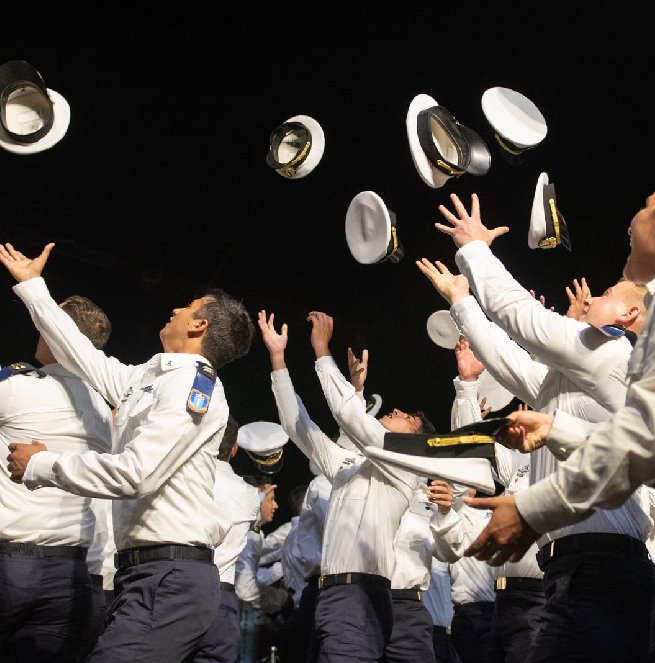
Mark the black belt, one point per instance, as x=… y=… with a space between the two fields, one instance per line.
x=521 y=584
x=594 y=542
x=96 y=579
x=441 y=629
x=227 y=587
x=143 y=554
x=406 y=594
x=313 y=580
x=32 y=550
x=353 y=579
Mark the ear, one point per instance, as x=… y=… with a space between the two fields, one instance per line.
x=197 y=327
x=630 y=316
x=235 y=448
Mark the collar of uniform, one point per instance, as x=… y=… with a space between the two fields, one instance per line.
x=224 y=466
x=57 y=370
x=167 y=361
x=648 y=299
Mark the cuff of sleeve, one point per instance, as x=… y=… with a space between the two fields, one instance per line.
x=461 y=311
x=466 y=389
x=566 y=434
x=441 y=521
x=326 y=363
x=471 y=251
x=31 y=290
x=542 y=507
x=38 y=473
x=281 y=377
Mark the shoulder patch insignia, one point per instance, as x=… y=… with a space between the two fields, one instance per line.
x=617 y=331
x=202 y=388
x=19 y=368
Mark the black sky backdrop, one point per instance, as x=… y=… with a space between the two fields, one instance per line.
x=160 y=186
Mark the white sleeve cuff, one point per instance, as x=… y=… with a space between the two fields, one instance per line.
x=31 y=290
x=467 y=390
x=567 y=434
x=281 y=377
x=543 y=508
x=443 y=521
x=471 y=251
x=38 y=473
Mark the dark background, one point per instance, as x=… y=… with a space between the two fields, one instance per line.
x=160 y=186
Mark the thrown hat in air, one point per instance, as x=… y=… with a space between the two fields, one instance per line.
x=548 y=228
x=466 y=455
x=441 y=147
x=371 y=230
x=264 y=442
x=373 y=404
x=33 y=118
x=442 y=330
x=518 y=124
x=497 y=396
x=296 y=147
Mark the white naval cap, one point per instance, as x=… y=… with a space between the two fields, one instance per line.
x=264 y=442
x=442 y=330
x=371 y=230
x=296 y=147
x=548 y=228
x=517 y=122
x=373 y=404
x=440 y=146
x=33 y=118
x=497 y=396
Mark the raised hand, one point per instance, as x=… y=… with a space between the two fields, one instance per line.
x=358 y=369
x=441 y=494
x=276 y=343
x=322 y=326
x=484 y=413
x=21 y=267
x=468 y=365
x=468 y=227
x=577 y=300
x=528 y=431
x=450 y=286
x=542 y=299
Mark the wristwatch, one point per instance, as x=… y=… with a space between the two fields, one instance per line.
x=255 y=528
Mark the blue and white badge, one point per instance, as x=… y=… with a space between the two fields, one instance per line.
x=202 y=388
x=617 y=331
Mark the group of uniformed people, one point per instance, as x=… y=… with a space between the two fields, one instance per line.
x=379 y=563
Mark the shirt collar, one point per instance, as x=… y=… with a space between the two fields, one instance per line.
x=167 y=361
x=57 y=370
x=651 y=293
x=224 y=466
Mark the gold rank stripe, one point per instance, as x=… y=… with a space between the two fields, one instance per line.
x=552 y=242
x=269 y=460
x=506 y=147
x=462 y=439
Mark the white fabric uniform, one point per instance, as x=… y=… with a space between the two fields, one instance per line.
x=301 y=553
x=513 y=473
x=413 y=545
x=164 y=458
x=248 y=588
x=239 y=502
x=437 y=597
x=100 y=557
x=608 y=464
x=270 y=566
x=63 y=413
x=587 y=374
x=368 y=498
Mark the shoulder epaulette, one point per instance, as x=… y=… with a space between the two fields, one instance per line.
x=617 y=331
x=19 y=368
x=202 y=388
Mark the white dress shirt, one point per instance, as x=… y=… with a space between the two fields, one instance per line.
x=513 y=473
x=164 y=458
x=237 y=505
x=273 y=542
x=63 y=413
x=586 y=375
x=437 y=597
x=368 y=499
x=292 y=571
x=100 y=558
x=611 y=462
x=248 y=588
x=414 y=545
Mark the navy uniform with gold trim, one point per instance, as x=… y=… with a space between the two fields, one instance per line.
x=44 y=536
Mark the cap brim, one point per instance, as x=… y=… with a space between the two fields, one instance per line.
x=368 y=228
x=497 y=396
x=473 y=472
x=61 y=120
x=317 y=147
x=377 y=404
x=514 y=117
x=442 y=330
x=537 y=229
x=433 y=177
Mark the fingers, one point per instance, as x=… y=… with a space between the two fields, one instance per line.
x=45 y=254
x=442 y=268
x=475 y=205
x=482 y=502
x=12 y=251
x=570 y=295
x=459 y=207
x=285 y=330
x=445 y=229
x=12 y=447
x=365 y=357
x=533 y=294
x=542 y=300
x=497 y=232
x=480 y=544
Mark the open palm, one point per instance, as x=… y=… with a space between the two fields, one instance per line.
x=21 y=267
x=276 y=343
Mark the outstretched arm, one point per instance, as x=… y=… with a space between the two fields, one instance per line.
x=70 y=347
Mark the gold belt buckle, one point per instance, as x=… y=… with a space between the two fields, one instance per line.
x=419 y=594
x=320 y=582
x=500 y=583
x=552 y=548
x=349 y=579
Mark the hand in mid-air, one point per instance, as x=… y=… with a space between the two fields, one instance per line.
x=484 y=410
x=322 y=326
x=528 y=431
x=577 y=300
x=21 y=267
x=440 y=493
x=506 y=537
x=469 y=366
x=468 y=227
x=452 y=287
x=542 y=299
x=276 y=343
x=20 y=456
x=358 y=369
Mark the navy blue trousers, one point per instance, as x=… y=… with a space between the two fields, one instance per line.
x=295 y=637
x=471 y=631
x=597 y=609
x=411 y=636
x=96 y=622
x=44 y=608
x=444 y=651
x=517 y=617
x=161 y=612
x=353 y=623
x=222 y=642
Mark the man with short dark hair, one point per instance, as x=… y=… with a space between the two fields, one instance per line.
x=171 y=415
x=46 y=593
